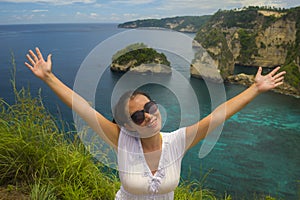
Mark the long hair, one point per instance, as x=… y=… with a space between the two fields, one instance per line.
x=120 y=113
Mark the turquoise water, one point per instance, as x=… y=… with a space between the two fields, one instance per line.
x=257 y=153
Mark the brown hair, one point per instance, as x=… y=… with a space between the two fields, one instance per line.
x=119 y=112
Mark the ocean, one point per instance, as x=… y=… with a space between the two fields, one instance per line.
x=258 y=150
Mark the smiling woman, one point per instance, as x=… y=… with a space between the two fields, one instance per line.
x=149 y=160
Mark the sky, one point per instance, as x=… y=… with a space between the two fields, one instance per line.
x=117 y=11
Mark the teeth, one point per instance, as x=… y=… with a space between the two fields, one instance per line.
x=151 y=123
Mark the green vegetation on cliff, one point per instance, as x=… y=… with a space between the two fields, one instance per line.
x=244 y=37
x=185 y=23
x=136 y=54
x=292 y=63
x=248 y=45
x=247 y=18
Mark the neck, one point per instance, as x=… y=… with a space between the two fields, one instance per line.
x=152 y=143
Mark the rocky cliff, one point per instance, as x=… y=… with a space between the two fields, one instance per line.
x=252 y=37
x=140 y=59
x=190 y=24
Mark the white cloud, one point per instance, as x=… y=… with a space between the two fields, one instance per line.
x=276 y=3
x=55 y=2
x=129 y=15
x=188 y=4
x=38 y=11
x=97 y=5
x=93 y=15
x=132 y=2
x=79 y=14
x=170 y=8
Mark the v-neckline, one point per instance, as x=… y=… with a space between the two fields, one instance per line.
x=160 y=159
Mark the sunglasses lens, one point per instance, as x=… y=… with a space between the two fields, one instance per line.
x=150 y=107
x=138 y=117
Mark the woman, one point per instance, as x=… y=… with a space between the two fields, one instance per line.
x=149 y=161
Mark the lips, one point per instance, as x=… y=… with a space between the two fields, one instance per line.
x=152 y=123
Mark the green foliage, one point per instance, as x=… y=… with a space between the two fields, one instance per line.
x=215 y=38
x=41 y=158
x=127 y=49
x=35 y=152
x=231 y=18
x=183 y=22
x=248 y=45
x=292 y=75
x=139 y=56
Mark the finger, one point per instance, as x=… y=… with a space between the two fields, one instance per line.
x=279 y=79
x=33 y=55
x=279 y=74
x=30 y=59
x=279 y=83
x=28 y=66
x=39 y=54
x=49 y=57
x=259 y=71
x=272 y=73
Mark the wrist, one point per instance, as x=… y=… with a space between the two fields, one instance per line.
x=255 y=89
x=49 y=78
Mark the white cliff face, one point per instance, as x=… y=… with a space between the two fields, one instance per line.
x=143 y=68
x=152 y=68
x=266 y=44
x=273 y=41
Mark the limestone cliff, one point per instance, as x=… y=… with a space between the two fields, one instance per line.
x=140 y=59
x=253 y=37
x=190 y=24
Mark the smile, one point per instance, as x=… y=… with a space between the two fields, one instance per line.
x=152 y=123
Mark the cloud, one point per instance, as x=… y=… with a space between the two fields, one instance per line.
x=94 y=15
x=276 y=3
x=38 y=11
x=132 y=2
x=197 y=7
x=55 y=2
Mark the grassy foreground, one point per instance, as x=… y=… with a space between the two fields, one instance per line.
x=39 y=161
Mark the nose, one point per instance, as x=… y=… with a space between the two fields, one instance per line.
x=148 y=117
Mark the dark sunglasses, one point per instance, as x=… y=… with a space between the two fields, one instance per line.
x=138 y=117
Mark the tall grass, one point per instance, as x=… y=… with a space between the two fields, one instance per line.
x=40 y=160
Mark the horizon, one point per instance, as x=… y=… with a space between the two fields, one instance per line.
x=14 y=12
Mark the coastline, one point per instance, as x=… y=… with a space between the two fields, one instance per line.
x=247 y=80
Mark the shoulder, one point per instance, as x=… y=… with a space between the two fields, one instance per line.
x=176 y=137
x=175 y=134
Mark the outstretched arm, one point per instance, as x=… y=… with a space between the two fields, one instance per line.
x=43 y=70
x=198 y=131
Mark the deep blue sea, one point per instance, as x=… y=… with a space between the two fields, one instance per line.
x=258 y=151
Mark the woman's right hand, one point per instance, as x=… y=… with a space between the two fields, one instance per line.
x=39 y=67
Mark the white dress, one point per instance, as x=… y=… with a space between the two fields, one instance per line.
x=138 y=182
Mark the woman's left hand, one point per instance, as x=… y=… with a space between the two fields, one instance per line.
x=269 y=81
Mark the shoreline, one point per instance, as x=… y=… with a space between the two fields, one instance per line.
x=247 y=80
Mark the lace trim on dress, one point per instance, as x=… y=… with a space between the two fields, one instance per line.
x=156 y=179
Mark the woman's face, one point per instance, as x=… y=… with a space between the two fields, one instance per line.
x=152 y=122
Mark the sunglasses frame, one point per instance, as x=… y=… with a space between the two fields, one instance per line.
x=147 y=109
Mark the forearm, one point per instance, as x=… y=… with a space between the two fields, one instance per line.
x=74 y=101
x=106 y=130
x=66 y=94
x=42 y=69
x=235 y=104
x=198 y=131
